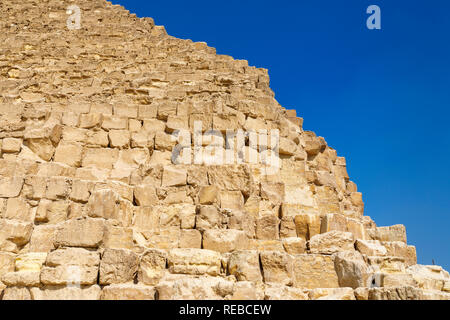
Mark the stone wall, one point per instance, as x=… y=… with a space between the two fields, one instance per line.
x=93 y=204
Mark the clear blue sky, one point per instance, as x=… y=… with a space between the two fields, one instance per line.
x=380 y=97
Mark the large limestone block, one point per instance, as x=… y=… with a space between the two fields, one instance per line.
x=69 y=153
x=386 y=234
x=231 y=200
x=307 y=225
x=43 y=238
x=152 y=266
x=118 y=266
x=273 y=191
x=208 y=218
x=87 y=233
x=232 y=178
x=71 y=266
x=10 y=187
x=435 y=295
x=14 y=234
x=30 y=262
x=331 y=242
x=268 y=228
x=392 y=280
x=145 y=195
x=225 y=240
x=66 y=293
x=103 y=204
x=100 y=158
x=371 y=247
x=351 y=269
x=294 y=245
x=18 y=208
x=6 y=263
x=21 y=279
x=128 y=292
x=190 y=288
x=245 y=290
x=208 y=195
x=332 y=294
x=190 y=238
x=280 y=292
x=429 y=277
x=244 y=265
x=194 y=261
x=16 y=293
x=314 y=271
x=399 y=293
x=401 y=249
x=277 y=267
x=174 y=177
x=333 y=222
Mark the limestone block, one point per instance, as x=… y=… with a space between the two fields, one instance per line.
x=152 y=266
x=399 y=293
x=11 y=145
x=128 y=292
x=194 y=262
x=331 y=242
x=208 y=218
x=392 y=280
x=225 y=240
x=280 y=292
x=42 y=147
x=91 y=120
x=173 y=177
x=145 y=195
x=307 y=225
x=287 y=147
x=333 y=222
x=273 y=191
x=66 y=293
x=69 y=153
x=277 y=267
x=232 y=178
x=118 y=237
x=10 y=187
x=435 y=295
x=314 y=271
x=14 y=234
x=52 y=212
x=287 y=228
x=100 y=158
x=208 y=195
x=371 y=247
x=190 y=238
x=18 y=208
x=58 y=187
x=97 y=138
x=244 y=265
x=147 y=111
x=21 y=279
x=294 y=245
x=30 y=262
x=351 y=269
x=429 y=277
x=86 y=233
x=386 y=264
x=267 y=228
x=146 y=218
x=387 y=234
x=401 y=249
x=245 y=290
x=357 y=228
x=232 y=200
x=43 y=238
x=128 y=111
x=68 y=266
x=332 y=294
x=118 y=266
x=190 y=288
x=177 y=123
x=104 y=204
x=119 y=138
x=16 y=293
x=6 y=263
x=197 y=176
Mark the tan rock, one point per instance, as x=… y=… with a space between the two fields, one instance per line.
x=307 y=225
x=208 y=195
x=11 y=145
x=371 y=247
x=87 y=233
x=10 y=187
x=66 y=293
x=173 y=177
x=145 y=195
x=30 y=262
x=386 y=234
x=21 y=279
x=16 y=293
x=14 y=234
x=69 y=154
x=280 y=292
x=208 y=218
x=331 y=242
x=332 y=294
x=294 y=245
x=128 y=292
x=244 y=265
x=399 y=293
x=267 y=228
x=231 y=200
x=351 y=269
x=314 y=271
x=190 y=238
x=152 y=266
x=225 y=240
x=401 y=249
x=194 y=261
x=245 y=290
x=118 y=266
x=277 y=267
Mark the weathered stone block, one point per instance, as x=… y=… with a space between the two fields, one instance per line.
x=152 y=266
x=277 y=267
x=314 y=271
x=225 y=240
x=244 y=265
x=87 y=233
x=331 y=242
x=118 y=266
x=128 y=292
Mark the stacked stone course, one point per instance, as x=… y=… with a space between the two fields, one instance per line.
x=92 y=205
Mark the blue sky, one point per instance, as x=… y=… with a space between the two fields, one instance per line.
x=380 y=97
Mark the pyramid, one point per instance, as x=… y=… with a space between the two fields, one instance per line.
x=135 y=165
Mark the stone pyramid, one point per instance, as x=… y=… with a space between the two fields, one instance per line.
x=112 y=184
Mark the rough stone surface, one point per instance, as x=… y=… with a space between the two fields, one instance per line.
x=124 y=174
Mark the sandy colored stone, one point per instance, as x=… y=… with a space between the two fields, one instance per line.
x=314 y=271
x=224 y=240
x=194 y=261
x=331 y=242
x=86 y=233
x=244 y=265
x=152 y=266
x=277 y=267
x=128 y=292
x=118 y=266
x=66 y=293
